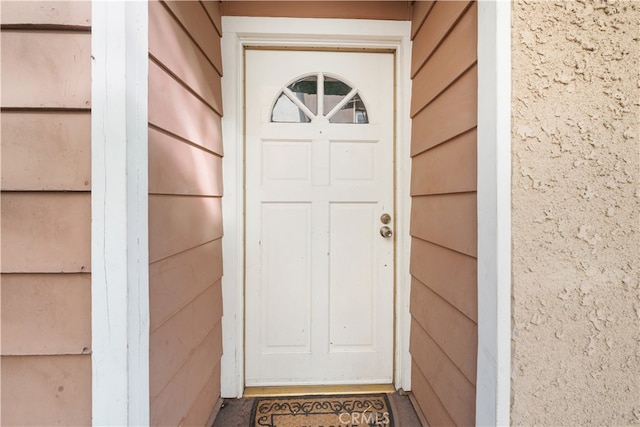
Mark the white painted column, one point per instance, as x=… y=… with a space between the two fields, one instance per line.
x=119 y=209
x=494 y=213
x=232 y=361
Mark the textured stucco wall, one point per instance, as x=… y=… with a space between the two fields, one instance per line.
x=576 y=204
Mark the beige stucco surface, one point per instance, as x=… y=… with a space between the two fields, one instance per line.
x=576 y=204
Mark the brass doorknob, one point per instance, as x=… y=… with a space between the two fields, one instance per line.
x=386 y=232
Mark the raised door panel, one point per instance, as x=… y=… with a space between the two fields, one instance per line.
x=286 y=275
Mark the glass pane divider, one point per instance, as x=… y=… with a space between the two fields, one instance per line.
x=292 y=96
x=320 y=93
x=341 y=104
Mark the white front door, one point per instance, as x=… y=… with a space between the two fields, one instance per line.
x=319 y=181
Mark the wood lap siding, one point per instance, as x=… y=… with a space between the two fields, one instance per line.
x=46 y=213
x=185 y=216
x=389 y=10
x=444 y=210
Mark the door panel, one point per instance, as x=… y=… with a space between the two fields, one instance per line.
x=319 y=276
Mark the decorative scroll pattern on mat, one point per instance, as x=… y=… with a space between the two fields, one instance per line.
x=322 y=411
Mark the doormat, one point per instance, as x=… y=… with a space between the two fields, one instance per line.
x=358 y=410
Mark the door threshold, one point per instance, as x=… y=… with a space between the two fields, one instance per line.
x=317 y=390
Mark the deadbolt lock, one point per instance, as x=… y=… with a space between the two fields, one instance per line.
x=385 y=218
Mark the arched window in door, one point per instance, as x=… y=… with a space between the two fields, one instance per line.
x=299 y=102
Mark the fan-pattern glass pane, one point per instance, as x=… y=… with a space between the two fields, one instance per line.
x=285 y=111
x=352 y=112
x=334 y=92
x=306 y=90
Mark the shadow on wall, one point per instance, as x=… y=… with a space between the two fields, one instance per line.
x=185 y=212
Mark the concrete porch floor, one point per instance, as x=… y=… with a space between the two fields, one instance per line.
x=237 y=412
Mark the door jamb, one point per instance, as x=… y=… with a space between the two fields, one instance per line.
x=239 y=32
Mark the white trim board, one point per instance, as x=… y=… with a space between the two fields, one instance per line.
x=119 y=206
x=239 y=32
x=494 y=213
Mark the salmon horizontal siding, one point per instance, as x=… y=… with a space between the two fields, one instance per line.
x=392 y=10
x=200 y=172
x=178 y=116
x=185 y=211
x=206 y=401
x=177 y=280
x=449 y=115
x=174 y=339
x=421 y=10
x=46 y=314
x=46 y=390
x=46 y=151
x=447 y=168
x=444 y=294
x=45 y=213
x=441 y=19
x=46 y=232
x=431 y=311
x=46 y=70
x=171 y=405
x=443 y=68
x=193 y=15
x=429 y=401
x=172 y=47
x=450 y=274
x=47 y=14
x=453 y=389
x=179 y=223
x=452 y=221
x=213 y=11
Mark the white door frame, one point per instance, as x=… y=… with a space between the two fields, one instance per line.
x=239 y=32
x=494 y=186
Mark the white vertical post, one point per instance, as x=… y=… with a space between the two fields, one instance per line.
x=232 y=361
x=119 y=209
x=403 y=197
x=494 y=213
